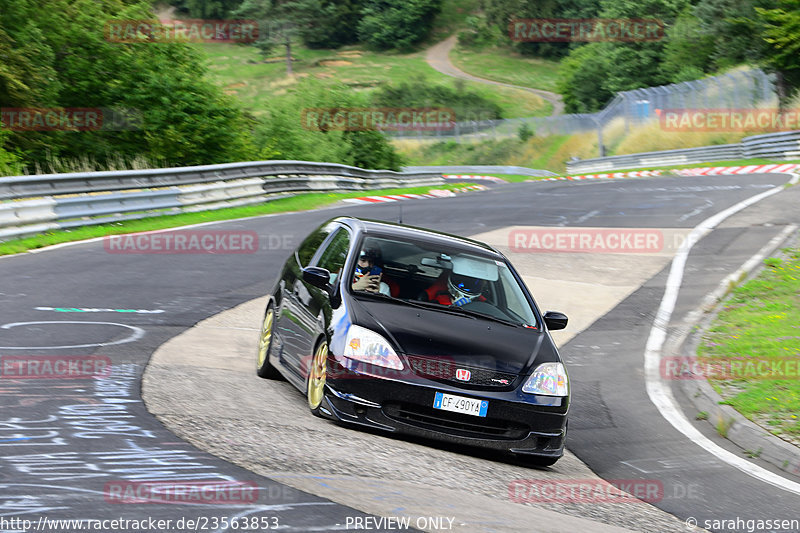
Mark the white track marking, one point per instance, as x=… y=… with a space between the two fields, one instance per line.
x=137 y=334
x=658 y=391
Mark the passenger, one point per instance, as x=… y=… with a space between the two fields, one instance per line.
x=367 y=276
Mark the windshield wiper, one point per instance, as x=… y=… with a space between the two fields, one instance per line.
x=491 y=317
x=447 y=309
x=469 y=313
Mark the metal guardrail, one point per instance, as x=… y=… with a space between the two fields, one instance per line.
x=483 y=169
x=34 y=204
x=784 y=145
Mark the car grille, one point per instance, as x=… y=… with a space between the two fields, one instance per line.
x=439 y=369
x=454 y=423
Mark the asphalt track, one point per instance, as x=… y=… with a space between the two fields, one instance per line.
x=64 y=441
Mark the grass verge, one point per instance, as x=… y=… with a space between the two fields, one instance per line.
x=241 y=71
x=506 y=66
x=761 y=322
x=300 y=202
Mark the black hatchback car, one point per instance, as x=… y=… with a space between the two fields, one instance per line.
x=413 y=331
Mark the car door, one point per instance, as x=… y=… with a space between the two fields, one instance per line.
x=287 y=323
x=309 y=302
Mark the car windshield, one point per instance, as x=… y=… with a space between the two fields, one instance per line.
x=416 y=271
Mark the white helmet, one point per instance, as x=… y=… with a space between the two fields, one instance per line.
x=464 y=289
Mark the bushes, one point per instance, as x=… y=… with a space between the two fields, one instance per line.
x=60 y=58
x=387 y=24
x=417 y=92
x=283 y=135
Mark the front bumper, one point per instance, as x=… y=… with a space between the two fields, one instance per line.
x=515 y=422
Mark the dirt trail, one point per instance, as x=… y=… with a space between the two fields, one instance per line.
x=438 y=57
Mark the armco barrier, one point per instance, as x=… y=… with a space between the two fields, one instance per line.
x=34 y=204
x=664 y=158
x=784 y=145
x=483 y=169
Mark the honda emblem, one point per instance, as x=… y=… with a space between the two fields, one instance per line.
x=463 y=375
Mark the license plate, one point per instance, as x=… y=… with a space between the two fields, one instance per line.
x=459 y=404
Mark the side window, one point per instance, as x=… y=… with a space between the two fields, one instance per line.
x=310 y=245
x=333 y=257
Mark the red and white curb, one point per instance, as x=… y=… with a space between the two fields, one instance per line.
x=634 y=174
x=752 y=169
x=495 y=179
x=433 y=193
x=705 y=171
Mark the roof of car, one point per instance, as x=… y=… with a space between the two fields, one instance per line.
x=401 y=230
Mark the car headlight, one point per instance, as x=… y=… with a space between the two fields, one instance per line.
x=367 y=346
x=549 y=379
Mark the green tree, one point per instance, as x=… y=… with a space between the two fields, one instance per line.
x=278 y=22
x=283 y=134
x=688 y=50
x=501 y=13
x=592 y=74
x=209 y=9
x=387 y=24
x=782 y=36
x=733 y=27
x=582 y=78
x=61 y=57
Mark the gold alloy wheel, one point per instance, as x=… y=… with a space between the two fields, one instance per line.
x=266 y=338
x=316 y=376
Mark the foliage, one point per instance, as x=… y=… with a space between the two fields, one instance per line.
x=688 y=50
x=500 y=13
x=782 y=36
x=417 y=92
x=478 y=33
x=593 y=73
x=10 y=163
x=279 y=22
x=60 y=57
x=387 y=24
x=283 y=134
x=208 y=9
x=525 y=132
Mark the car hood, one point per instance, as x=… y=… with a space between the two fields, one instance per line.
x=464 y=340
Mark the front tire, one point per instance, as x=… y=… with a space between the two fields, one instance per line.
x=264 y=368
x=315 y=390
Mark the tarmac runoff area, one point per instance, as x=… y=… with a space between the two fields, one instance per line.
x=202 y=385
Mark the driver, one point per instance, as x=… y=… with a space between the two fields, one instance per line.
x=456 y=289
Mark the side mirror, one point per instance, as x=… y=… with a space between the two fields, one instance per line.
x=318 y=277
x=555 y=320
